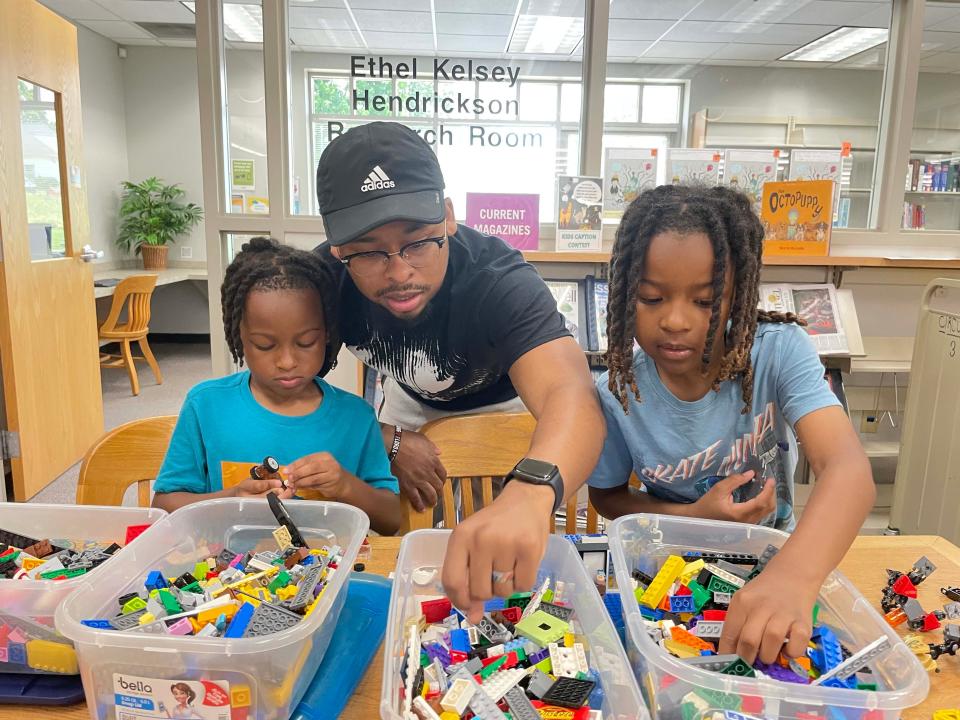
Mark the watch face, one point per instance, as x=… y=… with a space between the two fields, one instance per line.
x=536 y=468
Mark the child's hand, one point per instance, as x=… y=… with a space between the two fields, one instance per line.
x=319 y=471
x=718 y=504
x=251 y=487
x=774 y=608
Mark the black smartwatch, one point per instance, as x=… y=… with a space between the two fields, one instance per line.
x=538 y=472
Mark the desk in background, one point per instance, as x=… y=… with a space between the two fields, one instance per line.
x=164 y=277
x=865 y=564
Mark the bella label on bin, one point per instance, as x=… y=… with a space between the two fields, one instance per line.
x=139 y=698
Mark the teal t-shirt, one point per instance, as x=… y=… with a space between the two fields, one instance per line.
x=221 y=421
x=679 y=449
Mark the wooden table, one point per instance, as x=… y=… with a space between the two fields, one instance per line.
x=864 y=565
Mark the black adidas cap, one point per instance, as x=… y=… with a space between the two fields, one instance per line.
x=374 y=174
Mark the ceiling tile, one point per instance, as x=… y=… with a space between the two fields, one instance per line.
x=394 y=21
x=746 y=11
x=149 y=10
x=557 y=8
x=651 y=9
x=499 y=7
x=757 y=33
x=733 y=63
x=950 y=25
x=326 y=38
x=317 y=3
x=474 y=24
x=79 y=10
x=322 y=18
x=749 y=51
x=625 y=29
x=840 y=12
x=687 y=50
x=943 y=40
x=383 y=5
x=933 y=15
x=378 y=41
x=626 y=48
x=471 y=43
x=117 y=30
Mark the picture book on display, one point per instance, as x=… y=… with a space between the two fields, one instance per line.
x=626 y=173
x=748 y=170
x=817 y=305
x=819 y=165
x=596 y=291
x=691 y=167
x=797 y=217
x=579 y=208
x=568 y=294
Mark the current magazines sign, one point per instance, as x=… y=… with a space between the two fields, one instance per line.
x=515 y=218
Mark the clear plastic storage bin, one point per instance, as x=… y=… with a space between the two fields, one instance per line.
x=258 y=677
x=642 y=541
x=27 y=607
x=425 y=549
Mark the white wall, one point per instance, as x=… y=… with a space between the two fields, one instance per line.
x=103 y=109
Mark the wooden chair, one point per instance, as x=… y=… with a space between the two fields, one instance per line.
x=480 y=448
x=131 y=453
x=134 y=293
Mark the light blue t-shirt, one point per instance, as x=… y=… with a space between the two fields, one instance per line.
x=680 y=449
x=221 y=421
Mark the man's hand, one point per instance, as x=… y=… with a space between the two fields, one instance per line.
x=774 y=608
x=718 y=504
x=509 y=537
x=251 y=487
x=319 y=471
x=418 y=468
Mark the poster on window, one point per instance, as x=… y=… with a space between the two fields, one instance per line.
x=693 y=167
x=512 y=217
x=627 y=172
x=579 y=209
x=748 y=170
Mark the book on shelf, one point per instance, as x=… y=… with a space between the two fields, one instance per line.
x=372 y=388
x=596 y=291
x=914 y=216
x=579 y=209
x=686 y=166
x=797 y=217
x=843 y=214
x=626 y=173
x=817 y=304
x=926 y=176
x=568 y=295
x=819 y=165
x=834 y=380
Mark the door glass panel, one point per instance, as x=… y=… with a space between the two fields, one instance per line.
x=41 y=171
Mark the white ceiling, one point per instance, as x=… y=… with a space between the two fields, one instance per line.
x=707 y=32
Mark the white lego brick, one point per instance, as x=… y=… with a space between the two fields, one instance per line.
x=423 y=709
x=497 y=685
x=708 y=629
x=722 y=574
x=458 y=696
x=495 y=651
x=856 y=661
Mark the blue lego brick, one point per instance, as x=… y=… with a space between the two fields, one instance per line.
x=460 y=641
x=17 y=653
x=493 y=604
x=646 y=613
x=832 y=652
x=595 y=700
x=682 y=603
x=614 y=605
x=241 y=619
x=849 y=683
x=98 y=623
x=155 y=580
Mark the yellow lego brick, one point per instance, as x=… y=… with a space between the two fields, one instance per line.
x=679 y=649
x=52 y=657
x=662 y=582
x=30 y=563
x=449 y=715
x=239 y=696
x=691 y=570
x=286 y=593
x=425 y=689
x=315 y=602
x=258 y=578
x=544 y=665
x=946 y=714
x=568 y=640
x=147 y=618
x=211 y=615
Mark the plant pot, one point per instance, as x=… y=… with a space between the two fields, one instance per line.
x=154 y=256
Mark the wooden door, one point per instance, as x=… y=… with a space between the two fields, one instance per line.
x=48 y=326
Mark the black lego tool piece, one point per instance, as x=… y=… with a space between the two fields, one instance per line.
x=283 y=517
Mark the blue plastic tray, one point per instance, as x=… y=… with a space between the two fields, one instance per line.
x=364 y=615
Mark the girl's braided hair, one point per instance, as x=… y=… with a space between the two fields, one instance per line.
x=727 y=218
x=265 y=264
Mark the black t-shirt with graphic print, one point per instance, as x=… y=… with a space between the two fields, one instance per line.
x=491 y=309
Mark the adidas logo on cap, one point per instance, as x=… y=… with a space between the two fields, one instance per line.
x=377 y=180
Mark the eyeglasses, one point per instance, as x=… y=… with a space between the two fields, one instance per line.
x=417 y=254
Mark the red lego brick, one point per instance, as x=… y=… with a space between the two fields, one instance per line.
x=457 y=657
x=715 y=615
x=903 y=586
x=683 y=590
x=930 y=622
x=666 y=681
x=752 y=705
x=512 y=614
x=134 y=531
x=436 y=610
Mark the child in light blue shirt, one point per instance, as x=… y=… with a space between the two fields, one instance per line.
x=708 y=410
x=280 y=318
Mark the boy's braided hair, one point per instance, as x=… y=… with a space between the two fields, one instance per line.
x=265 y=264
x=727 y=218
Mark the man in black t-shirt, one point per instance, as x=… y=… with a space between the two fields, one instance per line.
x=457 y=322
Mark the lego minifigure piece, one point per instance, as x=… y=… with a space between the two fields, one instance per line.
x=903 y=586
x=283 y=517
x=896 y=617
x=569 y=692
x=921 y=570
x=269 y=469
x=953 y=593
x=930 y=622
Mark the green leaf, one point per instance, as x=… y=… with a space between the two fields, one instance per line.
x=152 y=212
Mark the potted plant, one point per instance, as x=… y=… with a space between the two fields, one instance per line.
x=152 y=215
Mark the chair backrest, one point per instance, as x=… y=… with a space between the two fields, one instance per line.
x=479 y=448
x=131 y=453
x=137 y=289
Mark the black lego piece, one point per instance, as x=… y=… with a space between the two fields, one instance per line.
x=569 y=692
x=952 y=593
x=735 y=558
x=283 y=517
x=18 y=541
